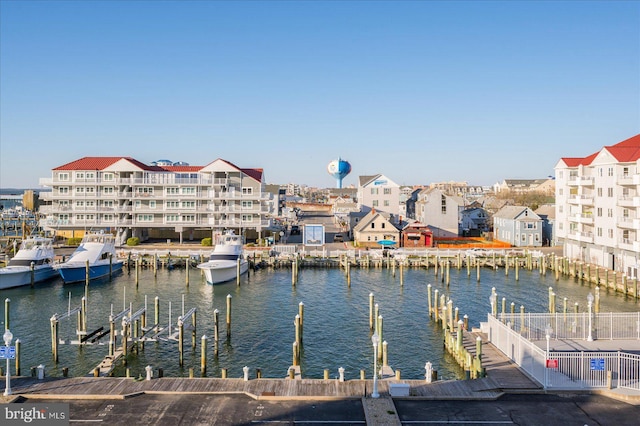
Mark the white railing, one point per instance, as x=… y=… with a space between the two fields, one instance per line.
x=604 y=325
x=568 y=370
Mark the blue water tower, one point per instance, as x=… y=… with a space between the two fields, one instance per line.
x=339 y=169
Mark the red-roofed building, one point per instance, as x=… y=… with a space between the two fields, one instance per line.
x=163 y=200
x=598 y=207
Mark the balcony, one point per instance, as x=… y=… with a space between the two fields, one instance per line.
x=625 y=222
x=582 y=200
x=586 y=237
x=626 y=244
x=629 y=201
x=626 y=179
x=585 y=218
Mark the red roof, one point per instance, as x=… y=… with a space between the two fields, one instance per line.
x=101 y=163
x=625 y=152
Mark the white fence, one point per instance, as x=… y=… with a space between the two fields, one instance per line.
x=568 y=370
x=604 y=326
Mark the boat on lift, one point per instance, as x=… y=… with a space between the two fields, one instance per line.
x=32 y=263
x=97 y=250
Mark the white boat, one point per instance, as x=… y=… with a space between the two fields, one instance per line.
x=98 y=251
x=36 y=251
x=224 y=260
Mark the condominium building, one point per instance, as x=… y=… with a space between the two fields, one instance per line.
x=161 y=200
x=598 y=206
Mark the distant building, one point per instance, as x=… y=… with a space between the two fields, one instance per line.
x=133 y=199
x=380 y=193
x=474 y=222
x=375 y=227
x=518 y=226
x=416 y=235
x=543 y=186
x=439 y=211
x=548 y=215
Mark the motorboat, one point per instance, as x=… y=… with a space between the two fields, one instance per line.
x=224 y=261
x=97 y=253
x=32 y=263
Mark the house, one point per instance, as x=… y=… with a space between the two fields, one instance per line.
x=545 y=186
x=598 y=207
x=547 y=213
x=380 y=193
x=518 y=226
x=439 y=211
x=416 y=235
x=341 y=208
x=375 y=227
x=474 y=222
x=161 y=200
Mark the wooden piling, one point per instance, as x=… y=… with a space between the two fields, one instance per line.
x=180 y=341
x=371 y=306
x=429 y=301
x=7 y=305
x=203 y=355
x=228 y=316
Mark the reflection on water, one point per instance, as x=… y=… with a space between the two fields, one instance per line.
x=336 y=318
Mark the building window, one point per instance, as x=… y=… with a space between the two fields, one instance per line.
x=560 y=174
x=247 y=204
x=610 y=171
x=247 y=218
x=107 y=177
x=374 y=191
x=382 y=225
x=189 y=190
x=172 y=218
x=152 y=204
x=610 y=192
x=63 y=177
x=374 y=203
x=610 y=233
x=599 y=211
x=599 y=192
x=188 y=204
x=79 y=203
x=188 y=218
x=386 y=203
x=172 y=191
x=247 y=191
x=373 y=225
x=599 y=232
x=387 y=191
x=609 y=212
x=145 y=218
x=443 y=201
x=560 y=208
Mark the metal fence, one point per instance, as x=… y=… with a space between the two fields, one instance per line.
x=567 y=370
x=604 y=326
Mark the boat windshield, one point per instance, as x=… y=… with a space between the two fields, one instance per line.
x=223 y=257
x=27 y=262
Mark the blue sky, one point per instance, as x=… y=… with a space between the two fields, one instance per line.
x=419 y=91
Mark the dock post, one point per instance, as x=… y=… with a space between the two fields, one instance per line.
x=444 y=318
x=450 y=311
x=456 y=314
x=479 y=355
x=478 y=272
x=156 y=306
x=110 y=266
x=238 y=271
x=125 y=338
x=301 y=313
x=223 y=373
x=54 y=338
x=513 y=308
x=549 y=300
x=326 y=374
x=376 y=312
x=380 y=329
x=521 y=319
x=216 y=333
x=180 y=341
x=112 y=336
x=429 y=301
x=296 y=324
x=448 y=279
x=186 y=268
x=401 y=273
x=203 y=355
x=155 y=266
x=86 y=272
x=137 y=271
x=517 y=266
x=32 y=268
x=228 y=316
x=295 y=353
x=468 y=262
x=564 y=307
x=556 y=269
x=18 y=346
x=504 y=307
x=193 y=332
x=7 y=304
x=83 y=307
x=459 y=337
x=371 y=303
x=385 y=354
x=506 y=264
x=466 y=321
x=435 y=305
x=597 y=301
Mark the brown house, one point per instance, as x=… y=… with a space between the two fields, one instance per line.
x=417 y=235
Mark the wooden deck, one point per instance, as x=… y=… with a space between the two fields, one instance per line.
x=502 y=375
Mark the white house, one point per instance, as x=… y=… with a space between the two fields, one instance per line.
x=518 y=226
x=380 y=193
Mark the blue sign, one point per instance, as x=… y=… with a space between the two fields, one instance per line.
x=597 y=364
x=7 y=352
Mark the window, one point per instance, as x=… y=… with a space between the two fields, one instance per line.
x=107 y=217
x=107 y=189
x=560 y=208
x=79 y=175
x=443 y=201
x=625 y=171
x=599 y=192
x=172 y=218
x=524 y=238
x=172 y=191
x=188 y=204
x=247 y=218
x=108 y=203
x=386 y=203
x=373 y=225
x=80 y=216
x=247 y=204
x=600 y=172
x=145 y=218
x=610 y=192
x=625 y=236
x=387 y=191
x=91 y=203
x=188 y=218
x=609 y=212
x=610 y=171
x=63 y=190
x=107 y=176
x=90 y=189
x=610 y=233
x=79 y=190
x=137 y=204
x=145 y=191
x=599 y=232
x=247 y=191
x=79 y=203
x=152 y=204
x=599 y=211
x=382 y=225
x=90 y=175
x=374 y=191
x=189 y=190
x=560 y=174
x=374 y=203
x=560 y=226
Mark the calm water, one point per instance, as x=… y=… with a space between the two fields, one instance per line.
x=336 y=318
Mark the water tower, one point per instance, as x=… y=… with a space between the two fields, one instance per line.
x=339 y=169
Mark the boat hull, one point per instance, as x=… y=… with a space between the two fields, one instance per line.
x=17 y=276
x=220 y=272
x=72 y=273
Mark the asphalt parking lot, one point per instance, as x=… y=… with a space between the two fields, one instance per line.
x=178 y=409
